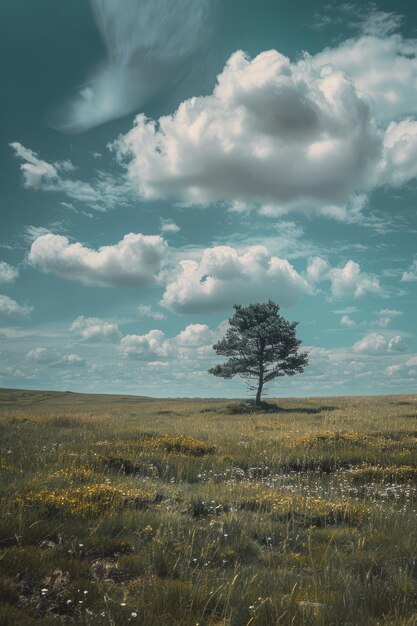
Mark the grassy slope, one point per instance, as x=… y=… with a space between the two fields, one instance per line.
x=124 y=509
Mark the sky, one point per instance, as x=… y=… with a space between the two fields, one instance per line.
x=163 y=160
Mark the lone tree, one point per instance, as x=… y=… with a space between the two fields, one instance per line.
x=261 y=345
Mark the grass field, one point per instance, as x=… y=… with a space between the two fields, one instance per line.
x=124 y=510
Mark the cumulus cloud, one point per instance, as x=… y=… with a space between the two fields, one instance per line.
x=71 y=360
x=41 y=355
x=51 y=358
x=132 y=262
x=383 y=320
x=399 y=157
x=223 y=275
x=9 y=308
x=383 y=66
x=145 y=310
x=347 y=281
x=94 y=329
x=314 y=135
x=279 y=134
x=351 y=281
x=195 y=335
x=8 y=273
x=168 y=226
x=371 y=344
x=103 y=193
x=348 y=322
x=151 y=46
x=149 y=347
x=411 y=274
x=193 y=342
x=376 y=343
x=397 y=344
x=318 y=270
x=403 y=369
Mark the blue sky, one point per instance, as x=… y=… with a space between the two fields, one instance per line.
x=163 y=160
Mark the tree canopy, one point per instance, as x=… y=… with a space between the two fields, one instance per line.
x=261 y=346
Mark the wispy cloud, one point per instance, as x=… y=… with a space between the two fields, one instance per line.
x=103 y=193
x=368 y=19
x=151 y=46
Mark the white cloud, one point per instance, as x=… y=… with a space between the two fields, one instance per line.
x=41 y=355
x=103 y=193
x=195 y=335
x=411 y=274
x=275 y=133
x=351 y=281
x=376 y=343
x=375 y=22
x=33 y=232
x=347 y=281
x=382 y=67
x=51 y=358
x=389 y=312
x=315 y=135
x=168 y=226
x=397 y=344
x=71 y=360
x=94 y=329
x=10 y=308
x=149 y=347
x=317 y=270
x=132 y=262
x=8 y=273
x=193 y=343
x=384 y=319
x=366 y=18
x=145 y=310
x=371 y=344
x=347 y=310
x=399 y=158
x=348 y=322
x=383 y=322
x=36 y=172
x=151 y=46
x=224 y=275
x=403 y=369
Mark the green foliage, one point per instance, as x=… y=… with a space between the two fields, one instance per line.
x=261 y=346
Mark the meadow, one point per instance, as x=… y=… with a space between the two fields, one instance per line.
x=132 y=510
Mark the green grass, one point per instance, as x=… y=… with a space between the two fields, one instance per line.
x=124 y=510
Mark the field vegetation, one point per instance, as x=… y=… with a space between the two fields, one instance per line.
x=129 y=510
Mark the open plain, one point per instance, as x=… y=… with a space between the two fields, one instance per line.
x=124 y=510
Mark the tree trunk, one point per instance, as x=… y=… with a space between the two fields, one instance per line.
x=258 y=393
x=261 y=376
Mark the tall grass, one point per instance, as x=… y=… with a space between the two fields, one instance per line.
x=119 y=510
